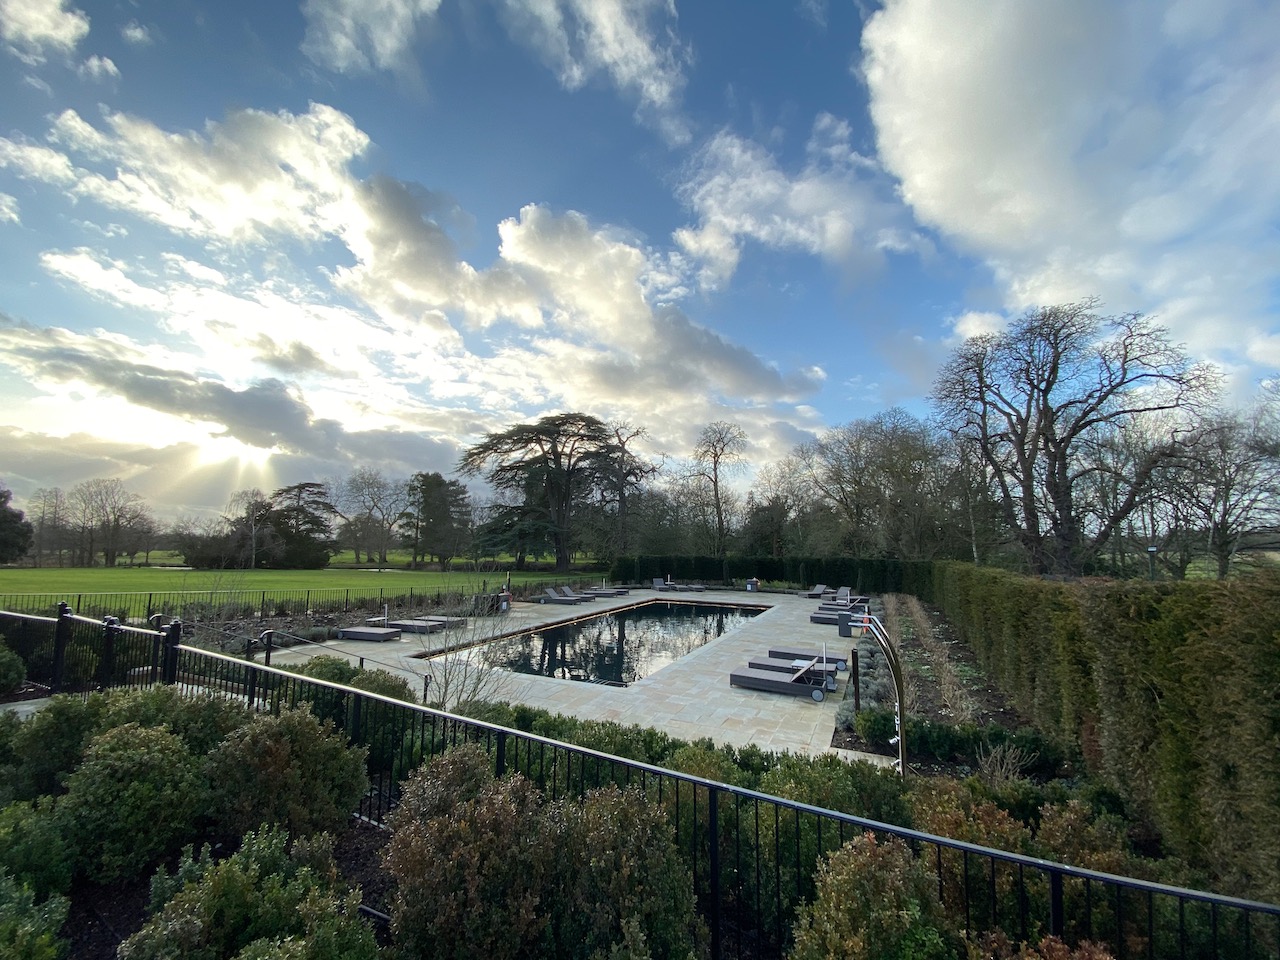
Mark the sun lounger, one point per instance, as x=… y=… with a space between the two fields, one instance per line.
x=567 y=591
x=690 y=587
x=798 y=653
x=368 y=633
x=845 y=598
x=825 y=616
x=553 y=597
x=818 y=592
x=660 y=584
x=801 y=683
x=416 y=625
x=447 y=623
x=605 y=591
x=782 y=665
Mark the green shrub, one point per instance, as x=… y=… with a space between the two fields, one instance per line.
x=287 y=770
x=997 y=946
x=874 y=902
x=9 y=726
x=137 y=796
x=13 y=672
x=472 y=858
x=261 y=902
x=488 y=868
x=327 y=667
x=202 y=720
x=29 y=931
x=621 y=878
x=33 y=849
x=949 y=808
x=49 y=744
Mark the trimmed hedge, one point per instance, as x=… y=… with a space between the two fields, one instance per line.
x=1168 y=690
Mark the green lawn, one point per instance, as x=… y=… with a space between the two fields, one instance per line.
x=148 y=579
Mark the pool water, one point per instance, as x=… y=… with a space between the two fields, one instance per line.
x=617 y=648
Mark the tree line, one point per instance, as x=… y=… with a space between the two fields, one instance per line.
x=1070 y=443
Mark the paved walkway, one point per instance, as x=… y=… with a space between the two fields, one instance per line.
x=689 y=698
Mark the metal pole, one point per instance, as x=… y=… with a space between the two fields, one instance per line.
x=61 y=640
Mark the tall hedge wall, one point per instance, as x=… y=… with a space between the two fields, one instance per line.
x=865 y=575
x=1170 y=690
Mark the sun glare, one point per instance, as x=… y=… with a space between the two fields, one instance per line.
x=248 y=458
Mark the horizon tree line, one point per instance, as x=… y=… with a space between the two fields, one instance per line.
x=1070 y=443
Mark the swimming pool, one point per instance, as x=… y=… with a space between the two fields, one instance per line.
x=619 y=647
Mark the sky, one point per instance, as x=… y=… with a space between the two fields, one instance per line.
x=249 y=244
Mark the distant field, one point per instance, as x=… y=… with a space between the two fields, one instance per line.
x=148 y=579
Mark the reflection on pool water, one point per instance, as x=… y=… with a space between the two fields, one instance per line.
x=620 y=647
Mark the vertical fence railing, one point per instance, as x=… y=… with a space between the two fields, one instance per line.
x=752 y=856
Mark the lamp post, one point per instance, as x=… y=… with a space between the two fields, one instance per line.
x=1151 y=561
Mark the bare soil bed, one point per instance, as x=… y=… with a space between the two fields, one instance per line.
x=990 y=706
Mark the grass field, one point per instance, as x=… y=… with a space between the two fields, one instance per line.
x=148 y=579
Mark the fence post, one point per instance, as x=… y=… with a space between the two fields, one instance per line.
x=169 y=666
x=353 y=728
x=111 y=630
x=266 y=637
x=61 y=640
x=1055 y=903
x=713 y=865
x=500 y=767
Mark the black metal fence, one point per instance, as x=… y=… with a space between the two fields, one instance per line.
x=752 y=855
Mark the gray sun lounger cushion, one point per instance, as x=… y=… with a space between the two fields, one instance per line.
x=368 y=633
x=572 y=595
x=780 y=665
x=771 y=681
x=824 y=616
x=660 y=584
x=416 y=625
x=818 y=592
x=553 y=597
x=799 y=653
x=605 y=591
x=447 y=622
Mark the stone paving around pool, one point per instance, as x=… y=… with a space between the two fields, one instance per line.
x=690 y=698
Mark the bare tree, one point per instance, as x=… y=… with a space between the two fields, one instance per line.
x=49 y=513
x=1231 y=484
x=717 y=455
x=372 y=505
x=1031 y=398
x=247 y=515
x=104 y=510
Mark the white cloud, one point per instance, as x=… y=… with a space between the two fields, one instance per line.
x=31 y=28
x=136 y=34
x=9 y=209
x=977 y=324
x=360 y=36
x=632 y=42
x=99 y=68
x=579 y=38
x=838 y=206
x=252 y=176
x=1083 y=147
x=570 y=315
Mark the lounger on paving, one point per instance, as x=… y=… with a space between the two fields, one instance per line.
x=801 y=683
x=782 y=665
x=800 y=653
